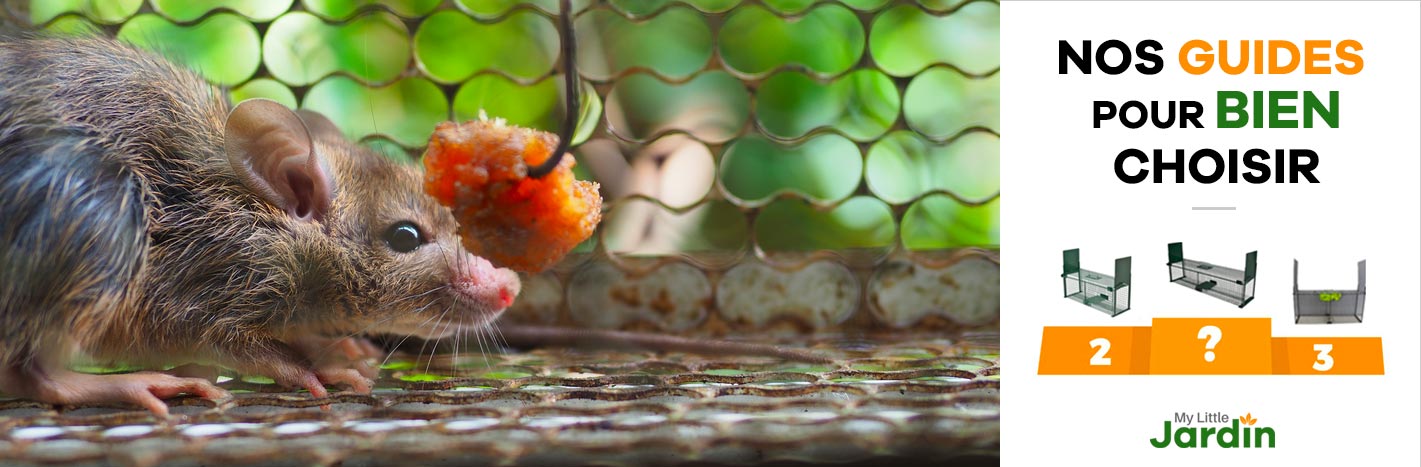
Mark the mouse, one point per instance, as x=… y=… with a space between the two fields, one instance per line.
x=145 y=219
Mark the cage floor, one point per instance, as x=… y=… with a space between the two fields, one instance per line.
x=1193 y=284
x=884 y=397
x=1345 y=309
x=1340 y=318
x=1095 y=291
x=1098 y=301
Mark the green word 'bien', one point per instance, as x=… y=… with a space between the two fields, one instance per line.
x=1275 y=109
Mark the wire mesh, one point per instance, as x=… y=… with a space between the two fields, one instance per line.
x=1328 y=306
x=1225 y=283
x=1097 y=291
x=925 y=397
x=917 y=176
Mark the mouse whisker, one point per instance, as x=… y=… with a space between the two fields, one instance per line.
x=391 y=316
x=387 y=318
x=434 y=352
x=424 y=343
x=418 y=295
x=441 y=326
x=493 y=328
x=458 y=330
x=492 y=344
x=482 y=351
x=402 y=342
x=462 y=338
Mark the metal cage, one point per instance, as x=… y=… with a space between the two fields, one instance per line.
x=1110 y=294
x=1224 y=283
x=1328 y=306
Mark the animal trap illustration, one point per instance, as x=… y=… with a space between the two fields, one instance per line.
x=1110 y=294
x=1329 y=306
x=1224 y=283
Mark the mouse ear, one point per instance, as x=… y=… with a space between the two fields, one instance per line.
x=319 y=125
x=271 y=151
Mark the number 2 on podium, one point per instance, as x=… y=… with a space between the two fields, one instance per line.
x=1103 y=346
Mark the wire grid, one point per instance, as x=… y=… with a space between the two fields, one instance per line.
x=1091 y=293
x=926 y=398
x=912 y=328
x=1328 y=306
x=854 y=267
x=1344 y=307
x=1226 y=281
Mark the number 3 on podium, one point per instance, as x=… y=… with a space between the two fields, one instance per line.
x=1324 y=359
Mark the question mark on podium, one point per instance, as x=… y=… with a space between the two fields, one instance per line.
x=1213 y=334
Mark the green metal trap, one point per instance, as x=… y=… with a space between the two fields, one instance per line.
x=1224 y=283
x=1330 y=306
x=1110 y=294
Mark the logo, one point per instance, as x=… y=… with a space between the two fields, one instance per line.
x=1240 y=432
x=1329 y=296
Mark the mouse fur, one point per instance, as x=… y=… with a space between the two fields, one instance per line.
x=146 y=220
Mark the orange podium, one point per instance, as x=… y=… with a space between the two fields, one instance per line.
x=1203 y=346
x=1211 y=346
x=1327 y=356
x=1103 y=350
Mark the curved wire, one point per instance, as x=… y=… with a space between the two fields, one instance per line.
x=572 y=109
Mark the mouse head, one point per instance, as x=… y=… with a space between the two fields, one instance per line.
x=382 y=256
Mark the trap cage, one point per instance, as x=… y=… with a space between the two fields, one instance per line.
x=1110 y=294
x=1328 y=306
x=818 y=174
x=1224 y=283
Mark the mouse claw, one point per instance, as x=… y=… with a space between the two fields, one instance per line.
x=348 y=377
x=366 y=370
x=311 y=383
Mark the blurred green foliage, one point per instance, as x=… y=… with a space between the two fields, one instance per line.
x=828 y=39
x=101 y=11
x=224 y=47
x=829 y=128
x=188 y=10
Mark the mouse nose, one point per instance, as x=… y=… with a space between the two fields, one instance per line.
x=476 y=278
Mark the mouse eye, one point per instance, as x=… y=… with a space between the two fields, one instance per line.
x=403 y=237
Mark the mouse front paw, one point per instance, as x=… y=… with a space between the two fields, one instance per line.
x=331 y=355
x=315 y=380
x=345 y=361
x=312 y=362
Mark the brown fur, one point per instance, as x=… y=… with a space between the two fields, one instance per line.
x=210 y=272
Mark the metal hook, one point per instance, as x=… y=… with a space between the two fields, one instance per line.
x=571 y=105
